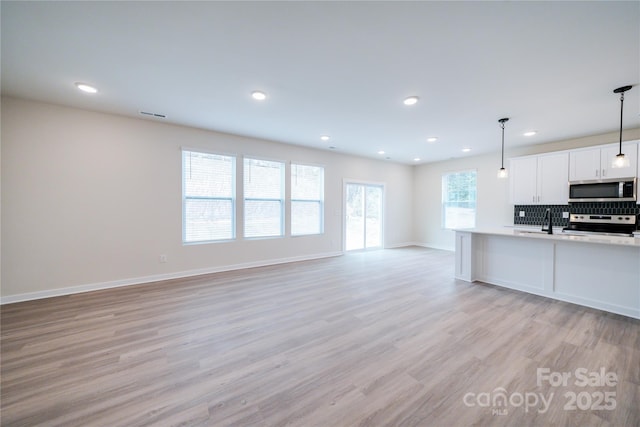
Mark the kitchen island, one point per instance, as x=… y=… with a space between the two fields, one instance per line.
x=602 y=272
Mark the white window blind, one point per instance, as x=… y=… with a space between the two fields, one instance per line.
x=208 y=206
x=263 y=198
x=459 y=195
x=307 y=199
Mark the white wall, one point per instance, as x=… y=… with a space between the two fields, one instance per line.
x=492 y=203
x=493 y=207
x=92 y=199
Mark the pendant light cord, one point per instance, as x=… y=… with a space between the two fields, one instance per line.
x=621 y=106
x=502 y=162
x=621 y=91
x=502 y=121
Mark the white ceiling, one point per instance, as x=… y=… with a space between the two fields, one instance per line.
x=338 y=68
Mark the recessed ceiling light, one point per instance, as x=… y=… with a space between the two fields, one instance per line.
x=381 y=152
x=324 y=137
x=417 y=159
x=86 y=88
x=412 y=100
x=260 y=96
x=530 y=133
x=466 y=150
x=432 y=139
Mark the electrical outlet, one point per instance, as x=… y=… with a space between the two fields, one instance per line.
x=565 y=215
x=163 y=258
x=521 y=214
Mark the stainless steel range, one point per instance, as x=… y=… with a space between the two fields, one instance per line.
x=611 y=225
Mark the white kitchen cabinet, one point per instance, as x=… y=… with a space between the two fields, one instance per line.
x=523 y=175
x=584 y=164
x=595 y=163
x=540 y=179
x=553 y=179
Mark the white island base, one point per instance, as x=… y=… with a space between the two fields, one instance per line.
x=598 y=272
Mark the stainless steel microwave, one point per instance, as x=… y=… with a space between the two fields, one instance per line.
x=606 y=190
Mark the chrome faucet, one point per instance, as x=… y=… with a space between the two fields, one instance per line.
x=547 y=224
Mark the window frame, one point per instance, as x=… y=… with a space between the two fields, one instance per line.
x=319 y=201
x=232 y=199
x=444 y=202
x=282 y=198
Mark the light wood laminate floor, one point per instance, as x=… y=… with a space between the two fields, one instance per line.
x=384 y=338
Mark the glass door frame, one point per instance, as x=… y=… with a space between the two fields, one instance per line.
x=366 y=184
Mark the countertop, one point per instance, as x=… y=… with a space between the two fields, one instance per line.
x=536 y=233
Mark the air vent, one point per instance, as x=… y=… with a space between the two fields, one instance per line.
x=146 y=113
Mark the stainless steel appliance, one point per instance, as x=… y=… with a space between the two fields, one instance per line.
x=611 y=225
x=609 y=190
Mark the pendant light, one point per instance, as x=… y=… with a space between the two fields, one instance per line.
x=621 y=161
x=502 y=173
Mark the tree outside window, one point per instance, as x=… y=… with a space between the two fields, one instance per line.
x=459 y=194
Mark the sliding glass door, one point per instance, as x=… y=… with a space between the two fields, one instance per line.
x=363 y=206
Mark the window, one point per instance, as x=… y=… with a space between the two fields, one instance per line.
x=459 y=200
x=307 y=196
x=208 y=197
x=263 y=198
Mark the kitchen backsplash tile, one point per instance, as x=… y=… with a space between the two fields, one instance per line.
x=606 y=208
x=534 y=214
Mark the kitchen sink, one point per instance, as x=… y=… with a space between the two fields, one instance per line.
x=531 y=232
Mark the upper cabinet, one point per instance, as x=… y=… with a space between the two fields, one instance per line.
x=543 y=179
x=540 y=179
x=595 y=163
x=523 y=175
x=553 y=178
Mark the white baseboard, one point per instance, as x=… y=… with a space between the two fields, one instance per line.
x=432 y=246
x=422 y=245
x=156 y=278
x=399 y=245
